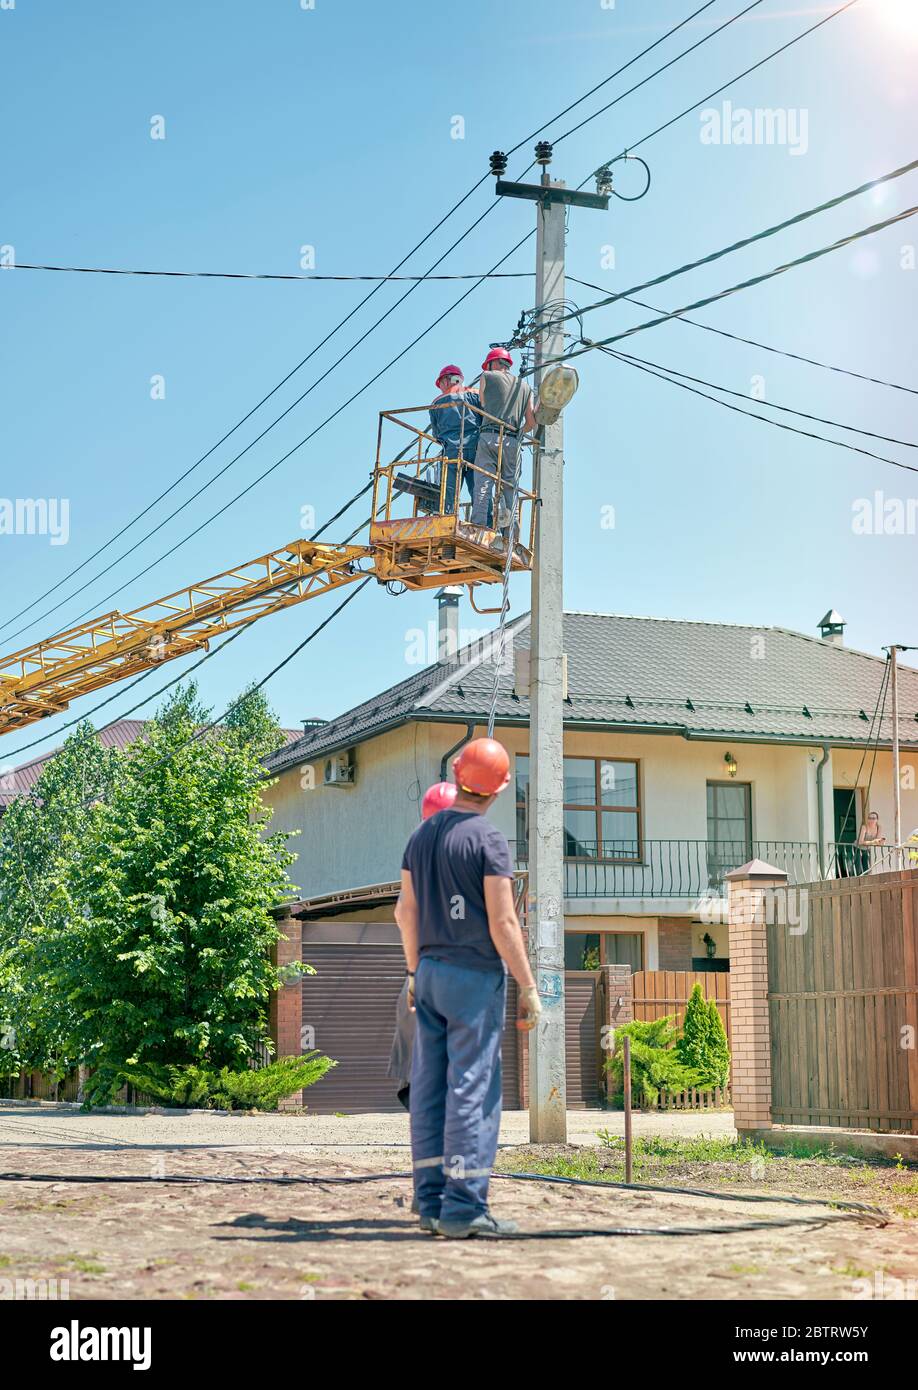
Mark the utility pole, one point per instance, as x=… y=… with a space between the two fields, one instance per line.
x=547 y=1087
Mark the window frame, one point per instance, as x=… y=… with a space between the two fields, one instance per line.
x=599 y=806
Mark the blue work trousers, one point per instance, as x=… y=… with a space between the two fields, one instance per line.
x=456 y=1087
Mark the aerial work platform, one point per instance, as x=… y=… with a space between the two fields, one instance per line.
x=422 y=533
x=421 y=537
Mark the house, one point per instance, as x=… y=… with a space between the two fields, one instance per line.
x=690 y=748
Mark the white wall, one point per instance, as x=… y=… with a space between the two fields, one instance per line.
x=352 y=836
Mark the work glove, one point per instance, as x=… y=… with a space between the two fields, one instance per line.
x=528 y=1009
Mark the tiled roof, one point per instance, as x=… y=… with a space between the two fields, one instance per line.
x=17 y=781
x=696 y=678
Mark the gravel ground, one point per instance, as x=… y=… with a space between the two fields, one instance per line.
x=326 y=1241
x=324 y=1136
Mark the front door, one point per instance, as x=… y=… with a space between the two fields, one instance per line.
x=846 y=831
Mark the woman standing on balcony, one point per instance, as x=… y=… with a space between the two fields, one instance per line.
x=870 y=836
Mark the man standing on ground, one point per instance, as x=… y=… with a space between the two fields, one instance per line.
x=459 y=930
x=508 y=399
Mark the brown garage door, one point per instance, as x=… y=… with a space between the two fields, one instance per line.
x=350 y=1005
x=581 y=1038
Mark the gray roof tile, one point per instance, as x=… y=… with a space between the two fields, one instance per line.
x=701 y=678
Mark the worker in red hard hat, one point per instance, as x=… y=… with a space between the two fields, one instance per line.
x=508 y=400
x=437 y=798
x=461 y=936
x=455 y=426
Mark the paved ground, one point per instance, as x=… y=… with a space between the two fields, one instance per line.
x=373 y=1138
x=257 y=1240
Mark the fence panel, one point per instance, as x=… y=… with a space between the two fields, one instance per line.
x=661 y=992
x=843 y=1006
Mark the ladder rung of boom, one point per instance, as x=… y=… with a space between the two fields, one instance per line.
x=41 y=680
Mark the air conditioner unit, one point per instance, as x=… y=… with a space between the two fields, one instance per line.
x=341 y=769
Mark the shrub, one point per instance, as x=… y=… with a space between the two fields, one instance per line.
x=655 y=1063
x=223 y=1088
x=703 y=1044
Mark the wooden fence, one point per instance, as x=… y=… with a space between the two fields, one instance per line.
x=718 y=1098
x=843 y=1004
x=661 y=992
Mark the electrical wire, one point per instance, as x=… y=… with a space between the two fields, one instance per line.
x=749 y=240
x=126 y=714
x=770 y=405
x=752 y=342
x=321 y=344
x=841 y=1210
x=775 y=424
x=743 y=285
x=242 y=275
x=775 y=53
x=335 y=364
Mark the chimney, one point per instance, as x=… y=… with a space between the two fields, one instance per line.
x=832 y=628
x=448 y=622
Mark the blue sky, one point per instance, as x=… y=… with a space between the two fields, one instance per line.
x=333 y=127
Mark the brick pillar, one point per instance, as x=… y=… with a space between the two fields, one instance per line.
x=748 y=890
x=287 y=1005
x=618 y=1008
x=674 y=943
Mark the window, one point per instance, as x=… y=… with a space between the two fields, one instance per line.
x=589 y=950
x=729 y=827
x=602 y=813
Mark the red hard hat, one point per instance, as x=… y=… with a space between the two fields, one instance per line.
x=483 y=766
x=439 y=797
x=449 y=370
x=496 y=355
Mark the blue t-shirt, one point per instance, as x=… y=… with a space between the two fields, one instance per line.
x=448 y=857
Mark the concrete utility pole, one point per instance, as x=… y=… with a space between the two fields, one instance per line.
x=547 y=1089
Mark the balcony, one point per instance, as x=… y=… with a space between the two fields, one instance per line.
x=691 y=869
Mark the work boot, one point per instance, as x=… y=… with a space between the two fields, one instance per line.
x=483 y=1225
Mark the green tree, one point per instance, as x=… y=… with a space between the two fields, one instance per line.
x=703 y=1044
x=142 y=935
x=40 y=837
x=655 y=1062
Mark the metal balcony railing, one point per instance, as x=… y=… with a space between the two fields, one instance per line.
x=671 y=868
x=853 y=861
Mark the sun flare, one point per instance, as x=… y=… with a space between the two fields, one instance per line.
x=900 y=16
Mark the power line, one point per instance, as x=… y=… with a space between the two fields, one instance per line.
x=215 y=723
x=593 y=90
x=126 y=714
x=484 y=178
x=273 y=467
x=752 y=342
x=743 y=285
x=744 y=242
x=244 y=275
x=706 y=39
x=182 y=477
x=771 y=405
x=739 y=76
x=776 y=424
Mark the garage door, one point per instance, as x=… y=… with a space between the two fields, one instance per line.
x=350 y=1005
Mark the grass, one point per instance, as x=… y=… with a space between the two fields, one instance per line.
x=725 y=1163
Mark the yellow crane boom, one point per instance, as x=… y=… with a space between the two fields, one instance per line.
x=424 y=549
